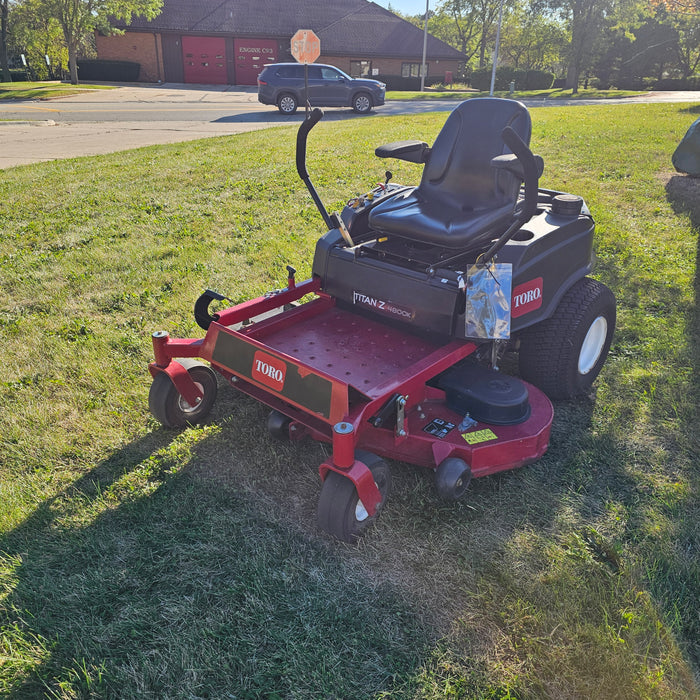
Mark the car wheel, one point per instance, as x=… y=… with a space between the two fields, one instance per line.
x=287 y=103
x=362 y=103
x=563 y=354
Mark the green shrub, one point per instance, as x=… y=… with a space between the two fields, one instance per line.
x=118 y=71
x=18 y=75
x=634 y=83
x=690 y=83
x=398 y=82
x=523 y=79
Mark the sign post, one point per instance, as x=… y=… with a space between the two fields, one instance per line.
x=306 y=48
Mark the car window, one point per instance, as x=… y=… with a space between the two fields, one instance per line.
x=331 y=74
x=290 y=72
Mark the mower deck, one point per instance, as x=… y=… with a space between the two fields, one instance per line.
x=324 y=366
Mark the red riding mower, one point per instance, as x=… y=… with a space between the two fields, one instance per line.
x=415 y=293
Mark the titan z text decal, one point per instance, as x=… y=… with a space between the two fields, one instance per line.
x=383 y=306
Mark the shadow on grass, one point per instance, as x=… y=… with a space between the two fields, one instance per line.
x=192 y=587
x=681 y=593
x=202 y=574
x=276 y=117
x=211 y=579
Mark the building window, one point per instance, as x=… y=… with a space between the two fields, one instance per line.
x=410 y=70
x=360 y=69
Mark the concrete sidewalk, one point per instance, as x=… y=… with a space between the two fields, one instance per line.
x=22 y=143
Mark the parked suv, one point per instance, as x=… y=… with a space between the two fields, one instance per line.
x=282 y=84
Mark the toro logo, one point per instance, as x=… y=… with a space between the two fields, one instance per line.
x=269 y=370
x=526 y=297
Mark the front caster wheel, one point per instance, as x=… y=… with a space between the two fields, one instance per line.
x=168 y=407
x=340 y=511
x=452 y=478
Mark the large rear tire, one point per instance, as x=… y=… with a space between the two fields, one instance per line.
x=564 y=354
x=340 y=511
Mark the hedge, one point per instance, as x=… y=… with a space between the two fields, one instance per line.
x=397 y=82
x=523 y=79
x=690 y=83
x=110 y=71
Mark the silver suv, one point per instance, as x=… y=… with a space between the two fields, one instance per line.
x=282 y=84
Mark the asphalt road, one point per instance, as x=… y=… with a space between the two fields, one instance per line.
x=132 y=116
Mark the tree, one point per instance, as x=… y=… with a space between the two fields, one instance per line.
x=456 y=23
x=78 y=18
x=473 y=23
x=37 y=35
x=4 y=58
x=532 y=40
x=584 y=20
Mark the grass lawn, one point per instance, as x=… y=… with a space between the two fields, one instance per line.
x=140 y=562
x=587 y=94
x=44 y=90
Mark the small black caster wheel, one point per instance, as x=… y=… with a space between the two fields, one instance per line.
x=278 y=426
x=340 y=511
x=168 y=407
x=452 y=478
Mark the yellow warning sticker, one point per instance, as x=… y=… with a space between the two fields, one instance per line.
x=480 y=436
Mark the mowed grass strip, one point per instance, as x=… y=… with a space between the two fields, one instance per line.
x=455 y=93
x=45 y=90
x=141 y=562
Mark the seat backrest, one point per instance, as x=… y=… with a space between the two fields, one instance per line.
x=459 y=172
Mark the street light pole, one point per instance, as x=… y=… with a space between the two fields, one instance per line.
x=423 y=68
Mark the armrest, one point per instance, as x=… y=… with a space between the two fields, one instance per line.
x=512 y=164
x=411 y=151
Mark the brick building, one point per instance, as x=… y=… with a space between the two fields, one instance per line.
x=229 y=41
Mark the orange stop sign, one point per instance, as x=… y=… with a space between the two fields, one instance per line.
x=306 y=46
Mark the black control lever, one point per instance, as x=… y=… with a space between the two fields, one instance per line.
x=302 y=135
x=531 y=173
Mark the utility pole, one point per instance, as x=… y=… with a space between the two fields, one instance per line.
x=424 y=67
x=495 y=53
x=4 y=60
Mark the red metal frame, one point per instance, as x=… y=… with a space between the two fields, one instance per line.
x=331 y=370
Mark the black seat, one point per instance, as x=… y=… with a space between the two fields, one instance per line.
x=462 y=200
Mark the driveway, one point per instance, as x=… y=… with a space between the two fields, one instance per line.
x=142 y=115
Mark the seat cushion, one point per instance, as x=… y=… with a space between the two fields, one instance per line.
x=410 y=216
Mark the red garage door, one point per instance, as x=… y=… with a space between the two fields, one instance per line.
x=204 y=59
x=251 y=56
